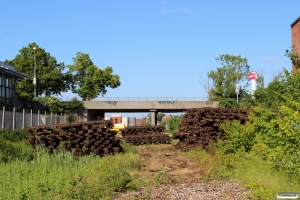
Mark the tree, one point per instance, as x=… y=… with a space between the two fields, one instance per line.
x=205 y=83
x=285 y=86
x=294 y=57
x=260 y=80
x=88 y=80
x=55 y=105
x=49 y=73
x=233 y=69
x=160 y=116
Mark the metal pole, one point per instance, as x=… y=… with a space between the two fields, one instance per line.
x=13 y=121
x=237 y=92
x=3 y=117
x=34 y=75
x=23 y=120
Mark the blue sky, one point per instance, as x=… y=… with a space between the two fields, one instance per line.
x=157 y=47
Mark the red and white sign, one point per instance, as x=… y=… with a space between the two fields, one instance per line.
x=251 y=76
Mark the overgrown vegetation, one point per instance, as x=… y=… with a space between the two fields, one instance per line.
x=13 y=146
x=55 y=105
x=263 y=153
x=172 y=124
x=61 y=175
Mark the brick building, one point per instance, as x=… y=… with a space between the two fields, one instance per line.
x=295 y=26
x=117 y=119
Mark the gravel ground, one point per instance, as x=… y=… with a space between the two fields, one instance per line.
x=191 y=191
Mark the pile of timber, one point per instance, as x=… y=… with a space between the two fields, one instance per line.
x=139 y=135
x=201 y=126
x=80 y=138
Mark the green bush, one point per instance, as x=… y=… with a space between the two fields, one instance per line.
x=271 y=135
x=13 y=145
x=63 y=176
x=229 y=103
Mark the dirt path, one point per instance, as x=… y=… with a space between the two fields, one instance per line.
x=181 y=178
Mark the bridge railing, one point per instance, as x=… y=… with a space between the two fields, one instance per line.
x=145 y=99
x=151 y=99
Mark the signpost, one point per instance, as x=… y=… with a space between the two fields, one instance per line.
x=237 y=88
x=252 y=78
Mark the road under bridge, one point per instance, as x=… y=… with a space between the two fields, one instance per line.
x=96 y=109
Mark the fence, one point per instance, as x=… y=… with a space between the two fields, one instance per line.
x=12 y=120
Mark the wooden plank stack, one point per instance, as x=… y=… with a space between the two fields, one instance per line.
x=139 y=135
x=200 y=126
x=80 y=138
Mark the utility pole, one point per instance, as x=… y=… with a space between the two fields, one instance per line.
x=237 y=86
x=34 y=75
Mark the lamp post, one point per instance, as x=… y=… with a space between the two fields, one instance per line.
x=34 y=75
x=237 y=86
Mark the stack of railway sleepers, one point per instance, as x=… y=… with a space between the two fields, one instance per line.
x=139 y=135
x=80 y=138
x=201 y=126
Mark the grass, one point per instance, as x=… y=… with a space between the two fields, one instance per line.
x=251 y=171
x=62 y=176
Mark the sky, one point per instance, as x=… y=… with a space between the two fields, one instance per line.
x=159 y=48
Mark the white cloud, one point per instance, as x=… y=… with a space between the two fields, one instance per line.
x=271 y=60
x=185 y=10
x=178 y=10
x=164 y=11
x=166 y=2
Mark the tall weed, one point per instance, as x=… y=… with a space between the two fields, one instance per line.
x=63 y=176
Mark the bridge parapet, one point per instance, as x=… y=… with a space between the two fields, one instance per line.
x=148 y=105
x=151 y=99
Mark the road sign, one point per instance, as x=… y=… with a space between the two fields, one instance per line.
x=237 y=88
x=251 y=76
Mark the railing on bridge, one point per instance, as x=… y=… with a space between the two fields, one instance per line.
x=146 y=99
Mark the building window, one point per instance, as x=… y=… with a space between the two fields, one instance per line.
x=116 y=121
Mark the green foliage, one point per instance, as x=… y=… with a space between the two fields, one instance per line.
x=55 y=105
x=233 y=69
x=294 y=57
x=228 y=103
x=173 y=123
x=62 y=176
x=13 y=146
x=249 y=170
x=88 y=80
x=239 y=137
x=285 y=86
x=73 y=105
x=160 y=116
x=49 y=73
x=271 y=135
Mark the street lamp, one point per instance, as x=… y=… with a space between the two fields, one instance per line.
x=237 y=86
x=34 y=75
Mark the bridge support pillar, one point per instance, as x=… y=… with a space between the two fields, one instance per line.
x=153 y=117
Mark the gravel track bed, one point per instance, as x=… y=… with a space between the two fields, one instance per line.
x=191 y=191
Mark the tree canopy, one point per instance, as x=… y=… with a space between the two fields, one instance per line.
x=285 y=86
x=88 y=80
x=233 y=69
x=50 y=79
x=294 y=57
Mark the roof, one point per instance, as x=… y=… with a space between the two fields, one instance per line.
x=294 y=22
x=10 y=70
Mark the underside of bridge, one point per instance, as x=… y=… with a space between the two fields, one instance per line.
x=98 y=114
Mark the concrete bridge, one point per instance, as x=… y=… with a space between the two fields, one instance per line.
x=96 y=109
